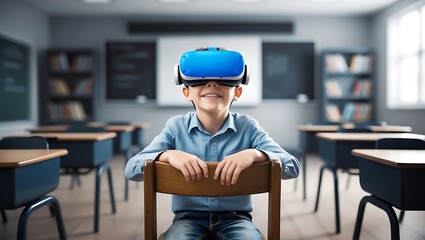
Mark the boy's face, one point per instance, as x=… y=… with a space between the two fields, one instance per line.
x=212 y=97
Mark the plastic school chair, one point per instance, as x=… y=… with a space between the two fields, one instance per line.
x=400 y=143
x=33 y=142
x=161 y=177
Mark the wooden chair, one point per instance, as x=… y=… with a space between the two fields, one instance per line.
x=161 y=177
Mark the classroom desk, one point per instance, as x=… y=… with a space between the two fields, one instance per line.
x=335 y=151
x=87 y=150
x=26 y=176
x=309 y=142
x=122 y=143
x=392 y=178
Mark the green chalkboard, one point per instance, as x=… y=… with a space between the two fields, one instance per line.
x=14 y=80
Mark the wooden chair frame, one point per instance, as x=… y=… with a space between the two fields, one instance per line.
x=261 y=177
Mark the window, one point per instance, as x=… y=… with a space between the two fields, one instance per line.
x=406 y=58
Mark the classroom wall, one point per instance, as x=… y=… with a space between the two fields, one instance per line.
x=409 y=117
x=278 y=117
x=25 y=24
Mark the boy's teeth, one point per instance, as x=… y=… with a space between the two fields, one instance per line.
x=211 y=95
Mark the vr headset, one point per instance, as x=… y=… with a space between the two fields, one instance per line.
x=211 y=64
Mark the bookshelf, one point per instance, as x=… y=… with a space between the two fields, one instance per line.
x=347 y=85
x=67 y=88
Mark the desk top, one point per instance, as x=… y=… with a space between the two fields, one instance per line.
x=334 y=128
x=396 y=158
x=111 y=128
x=13 y=158
x=346 y=137
x=64 y=136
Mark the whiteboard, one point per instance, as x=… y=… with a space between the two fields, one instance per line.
x=170 y=49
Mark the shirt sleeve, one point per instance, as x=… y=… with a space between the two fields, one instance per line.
x=263 y=142
x=161 y=143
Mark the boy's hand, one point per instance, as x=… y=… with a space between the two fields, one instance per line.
x=190 y=165
x=231 y=167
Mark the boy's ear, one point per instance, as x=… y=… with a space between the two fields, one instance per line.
x=238 y=93
x=185 y=91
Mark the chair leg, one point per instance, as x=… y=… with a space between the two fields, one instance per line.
x=347 y=185
x=337 y=214
x=128 y=154
x=395 y=231
x=111 y=190
x=23 y=219
x=316 y=206
x=4 y=216
x=304 y=166
x=99 y=171
x=401 y=216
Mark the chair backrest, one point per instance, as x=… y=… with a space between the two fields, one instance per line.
x=370 y=123
x=324 y=123
x=161 y=177
x=32 y=142
x=400 y=143
x=82 y=129
x=355 y=130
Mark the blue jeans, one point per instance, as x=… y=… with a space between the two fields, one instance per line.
x=210 y=225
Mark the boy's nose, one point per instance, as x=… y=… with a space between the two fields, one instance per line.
x=211 y=83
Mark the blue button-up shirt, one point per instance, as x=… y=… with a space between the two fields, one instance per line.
x=185 y=133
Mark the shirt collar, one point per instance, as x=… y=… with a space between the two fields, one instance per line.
x=228 y=124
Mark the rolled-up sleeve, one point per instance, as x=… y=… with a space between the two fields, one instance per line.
x=263 y=142
x=161 y=143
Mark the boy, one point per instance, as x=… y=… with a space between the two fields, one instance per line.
x=212 y=78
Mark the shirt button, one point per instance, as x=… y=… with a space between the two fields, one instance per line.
x=213 y=199
x=212 y=139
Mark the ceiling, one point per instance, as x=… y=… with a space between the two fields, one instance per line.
x=212 y=7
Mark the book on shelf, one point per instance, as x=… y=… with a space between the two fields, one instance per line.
x=336 y=63
x=84 y=87
x=59 y=87
x=59 y=62
x=67 y=111
x=362 y=88
x=357 y=112
x=333 y=113
x=82 y=63
x=333 y=89
x=361 y=63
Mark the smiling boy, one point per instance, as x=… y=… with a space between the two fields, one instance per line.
x=212 y=78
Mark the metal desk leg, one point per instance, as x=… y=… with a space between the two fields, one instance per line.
x=127 y=156
x=395 y=231
x=99 y=171
x=304 y=163
x=3 y=216
x=337 y=213
x=43 y=201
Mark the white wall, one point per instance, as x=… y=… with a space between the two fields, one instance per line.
x=27 y=25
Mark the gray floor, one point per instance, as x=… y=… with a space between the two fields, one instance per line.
x=297 y=218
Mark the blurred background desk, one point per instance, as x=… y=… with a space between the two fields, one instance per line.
x=393 y=178
x=26 y=176
x=335 y=151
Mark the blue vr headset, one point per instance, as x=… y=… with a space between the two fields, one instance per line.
x=211 y=64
